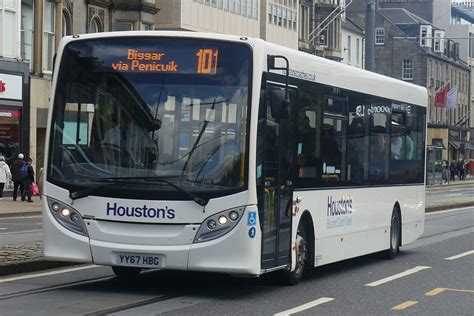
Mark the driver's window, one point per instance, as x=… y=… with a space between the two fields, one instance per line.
x=77 y=121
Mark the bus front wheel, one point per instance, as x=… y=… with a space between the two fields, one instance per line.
x=293 y=277
x=395 y=235
x=126 y=272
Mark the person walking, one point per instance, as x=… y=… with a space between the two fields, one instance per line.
x=16 y=177
x=460 y=169
x=445 y=172
x=28 y=181
x=5 y=175
x=452 y=170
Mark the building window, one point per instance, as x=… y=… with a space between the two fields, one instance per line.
x=280 y=18
x=348 y=48
x=67 y=23
x=407 y=69
x=255 y=9
x=425 y=35
x=95 y=25
x=438 y=41
x=294 y=20
x=357 y=52
x=49 y=23
x=9 y=28
x=124 y=26
x=304 y=22
x=246 y=8
x=27 y=31
x=270 y=13
x=145 y=27
x=379 y=36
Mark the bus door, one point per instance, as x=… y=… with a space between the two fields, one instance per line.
x=276 y=185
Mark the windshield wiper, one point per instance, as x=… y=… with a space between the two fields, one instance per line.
x=201 y=132
x=74 y=195
x=197 y=199
x=80 y=193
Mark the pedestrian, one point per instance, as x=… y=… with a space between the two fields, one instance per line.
x=5 y=175
x=445 y=171
x=460 y=168
x=452 y=170
x=16 y=177
x=28 y=181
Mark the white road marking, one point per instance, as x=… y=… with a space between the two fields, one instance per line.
x=398 y=275
x=303 y=307
x=454 y=194
x=3 y=228
x=36 y=275
x=24 y=232
x=467 y=253
x=451 y=210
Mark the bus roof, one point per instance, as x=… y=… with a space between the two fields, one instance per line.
x=302 y=65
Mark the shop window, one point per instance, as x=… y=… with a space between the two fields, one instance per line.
x=10 y=134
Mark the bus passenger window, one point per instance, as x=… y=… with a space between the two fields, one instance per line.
x=357 y=144
x=306 y=144
x=379 y=146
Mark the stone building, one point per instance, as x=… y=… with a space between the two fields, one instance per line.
x=14 y=84
x=275 y=21
x=353 y=43
x=411 y=48
x=321 y=27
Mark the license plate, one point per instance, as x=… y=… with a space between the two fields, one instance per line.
x=139 y=260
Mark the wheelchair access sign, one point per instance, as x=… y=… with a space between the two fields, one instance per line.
x=252 y=218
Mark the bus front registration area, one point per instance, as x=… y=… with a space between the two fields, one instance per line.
x=139 y=260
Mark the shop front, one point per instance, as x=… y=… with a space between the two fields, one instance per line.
x=14 y=109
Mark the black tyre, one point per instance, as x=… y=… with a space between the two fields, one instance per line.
x=395 y=235
x=293 y=277
x=126 y=272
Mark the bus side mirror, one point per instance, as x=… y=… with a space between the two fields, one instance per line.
x=278 y=104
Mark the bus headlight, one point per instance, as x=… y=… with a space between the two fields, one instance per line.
x=68 y=217
x=219 y=224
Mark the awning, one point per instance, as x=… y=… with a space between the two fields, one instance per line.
x=456 y=144
x=437 y=144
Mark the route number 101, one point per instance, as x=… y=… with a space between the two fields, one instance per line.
x=207 y=61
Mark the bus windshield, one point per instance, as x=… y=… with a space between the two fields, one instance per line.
x=149 y=109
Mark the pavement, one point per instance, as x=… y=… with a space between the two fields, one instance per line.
x=27 y=257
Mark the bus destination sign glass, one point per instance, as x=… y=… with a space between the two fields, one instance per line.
x=203 y=61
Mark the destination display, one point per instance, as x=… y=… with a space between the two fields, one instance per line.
x=134 y=60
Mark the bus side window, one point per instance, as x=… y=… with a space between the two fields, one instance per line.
x=308 y=131
x=379 y=147
x=357 y=144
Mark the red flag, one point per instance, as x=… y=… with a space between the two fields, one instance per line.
x=441 y=96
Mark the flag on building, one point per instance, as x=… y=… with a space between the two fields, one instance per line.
x=452 y=98
x=441 y=96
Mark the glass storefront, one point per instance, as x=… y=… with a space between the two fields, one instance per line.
x=10 y=133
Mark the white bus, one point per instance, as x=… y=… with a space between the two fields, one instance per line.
x=209 y=152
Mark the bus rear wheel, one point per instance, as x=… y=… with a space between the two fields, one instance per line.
x=126 y=272
x=395 y=235
x=293 y=277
